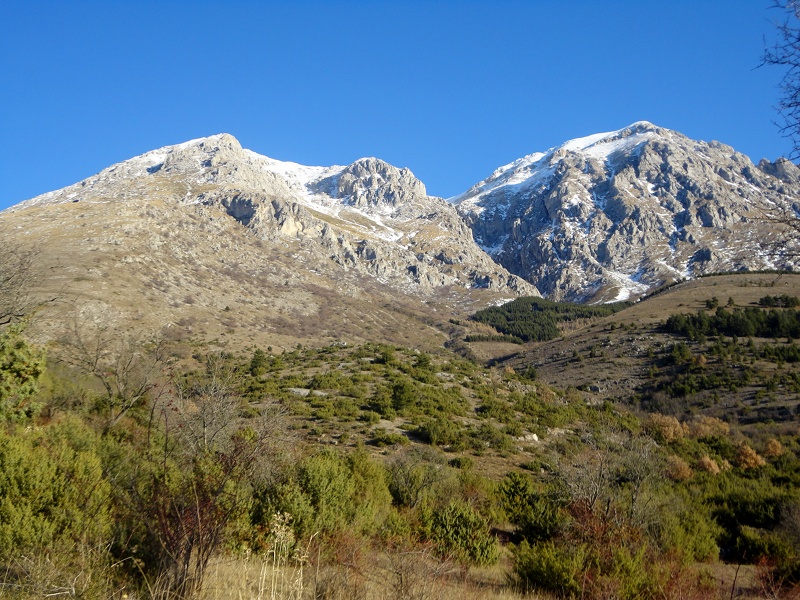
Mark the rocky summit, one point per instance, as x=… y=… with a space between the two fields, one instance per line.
x=306 y=252
x=208 y=240
x=369 y=216
x=610 y=216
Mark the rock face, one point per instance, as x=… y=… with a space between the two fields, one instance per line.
x=609 y=216
x=602 y=218
x=370 y=182
x=369 y=217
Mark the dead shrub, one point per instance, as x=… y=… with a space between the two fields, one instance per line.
x=665 y=429
x=678 y=469
x=707 y=465
x=705 y=426
x=747 y=458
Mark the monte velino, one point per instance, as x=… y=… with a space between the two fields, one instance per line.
x=598 y=219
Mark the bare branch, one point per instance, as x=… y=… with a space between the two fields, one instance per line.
x=126 y=368
x=786 y=53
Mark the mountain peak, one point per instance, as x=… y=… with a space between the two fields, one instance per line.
x=626 y=210
x=371 y=181
x=601 y=145
x=216 y=140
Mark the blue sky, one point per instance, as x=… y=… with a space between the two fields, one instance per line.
x=450 y=89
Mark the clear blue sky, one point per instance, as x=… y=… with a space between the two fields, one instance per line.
x=450 y=89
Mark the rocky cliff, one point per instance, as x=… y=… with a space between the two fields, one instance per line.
x=369 y=216
x=610 y=216
x=602 y=218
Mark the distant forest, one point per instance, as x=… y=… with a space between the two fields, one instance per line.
x=535 y=319
x=742 y=322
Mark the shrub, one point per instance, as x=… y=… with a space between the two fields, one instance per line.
x=687 y=532
x=488 y=435
x=708 y=465
x=259 y=363
x=548 y=567
x=381 y=437
x=327 y=482
x=53 y=494
x=440 y=431
x=705 y=426
x=747 y=458
x=678 y=469
x=459 y=531
x=412 y=478
x=773 y=448
x=21 y=368
x=536 y=515
x=370 y=417
x=462 y=462
x=664 y=429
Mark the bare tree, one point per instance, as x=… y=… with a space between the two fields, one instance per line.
x=202 y=456
x=786 y=53
x=208 y=407
x=126 y=367
x=610 y=481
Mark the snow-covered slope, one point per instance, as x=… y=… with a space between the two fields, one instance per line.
x=369 y=216
x=600 y=218
x=609 y=216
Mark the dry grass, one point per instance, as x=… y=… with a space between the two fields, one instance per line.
x=129 y=266
x=376 y=576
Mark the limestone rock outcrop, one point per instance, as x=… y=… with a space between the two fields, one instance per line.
x=602 y=218
x=611 y=216
x=370 y=216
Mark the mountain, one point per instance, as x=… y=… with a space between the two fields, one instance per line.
x=206 y=239
x=610 y=216
x=215 y=240
x=368 y=216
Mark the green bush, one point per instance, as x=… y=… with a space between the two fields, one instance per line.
x=487 y=434
x=459 y=531
x=53 y=494
x=371 y=498
x=413 y=478
x=747 y=511
x=259 y=363
x=328 y=492
x=381 y=437
x=21 y=368
x=689 y=533
x=370 y=417
x=440 y=431
x=549 y=567
x=537 y=516
x=327 y=481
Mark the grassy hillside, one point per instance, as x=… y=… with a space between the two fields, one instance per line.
x=376 y=470
x=635 y=357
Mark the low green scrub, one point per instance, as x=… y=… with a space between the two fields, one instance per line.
x=460 y=532
x=221 y=463
x=53 y=493
x=21 y=368
x=550 y=567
